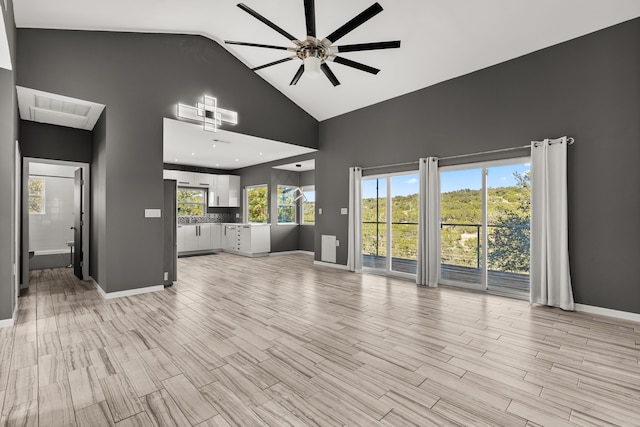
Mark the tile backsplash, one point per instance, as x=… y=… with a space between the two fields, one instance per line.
x=210 y=217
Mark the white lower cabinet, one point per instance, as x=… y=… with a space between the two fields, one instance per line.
x=247 y=239
x=198 y=237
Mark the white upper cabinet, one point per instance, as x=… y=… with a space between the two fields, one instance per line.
x=202 y=180
x=226 y=191
x=185 y=179
x=223 y=190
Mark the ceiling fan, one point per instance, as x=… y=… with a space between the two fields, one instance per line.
x=315 y=53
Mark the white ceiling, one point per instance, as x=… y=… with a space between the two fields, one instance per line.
x=303 y=166
x=441 y=39
x=188 y=144
x=54 y=109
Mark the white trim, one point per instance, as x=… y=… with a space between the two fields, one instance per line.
x=330 y=264
x=127 y=293
x=291 y=253
x=6 y=323
x=618 y=314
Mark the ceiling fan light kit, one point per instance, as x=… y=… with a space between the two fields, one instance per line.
x=315 y=53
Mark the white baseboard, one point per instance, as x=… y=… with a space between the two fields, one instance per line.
x=127 y=293
x=291 y=253
x=625 y=315
x=330 y=264
x=6 y=323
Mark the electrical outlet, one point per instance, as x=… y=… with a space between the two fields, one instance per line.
x=344 y=211
x=319 y=211
x=237 y=215
x=166 y=275
x=337 y=242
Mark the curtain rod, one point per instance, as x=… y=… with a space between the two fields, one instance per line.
x=570 y=141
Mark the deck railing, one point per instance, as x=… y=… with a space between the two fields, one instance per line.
x=469 y=255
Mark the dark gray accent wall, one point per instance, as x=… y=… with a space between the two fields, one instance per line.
x=52 y=142
x=8 y=137
x=588 y=88
x=141 y=78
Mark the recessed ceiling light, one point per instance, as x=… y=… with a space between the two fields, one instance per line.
x=193 y=154
x=214 y=145
x=237 y=160
x=261 y=153
x=175 y=160
x=217 y=164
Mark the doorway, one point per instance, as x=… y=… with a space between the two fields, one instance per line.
x=390 y=230
x=485 y=226
x=55 y=215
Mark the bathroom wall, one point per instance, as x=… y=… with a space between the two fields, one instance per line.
x=49 y=232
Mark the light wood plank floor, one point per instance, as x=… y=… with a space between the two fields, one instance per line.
x=276 y=341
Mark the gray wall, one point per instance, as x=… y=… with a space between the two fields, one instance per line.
x=46 y=141
x=140 y=78
x=588 y=88
x=284 y=238
x=8 y=137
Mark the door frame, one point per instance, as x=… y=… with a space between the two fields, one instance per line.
x=86 y=202
x=484 y=165
x=388 y=235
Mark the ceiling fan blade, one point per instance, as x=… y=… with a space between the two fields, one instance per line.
x=327 y=72
x=363 y=17
x=280 y=61
x=297 y=76
x=310 y=17
x=265 y=21
x=268 y=46
x=369 y=46
x=356 y=65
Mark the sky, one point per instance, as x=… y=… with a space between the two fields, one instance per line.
x=499 y=176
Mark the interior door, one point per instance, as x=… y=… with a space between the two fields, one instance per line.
x=77 y=223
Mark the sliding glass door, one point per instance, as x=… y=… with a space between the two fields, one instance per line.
x=390 y=230
x=485 y=213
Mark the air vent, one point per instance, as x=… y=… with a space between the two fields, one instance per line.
x=60 y=106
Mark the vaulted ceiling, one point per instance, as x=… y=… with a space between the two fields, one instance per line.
x=440 y=39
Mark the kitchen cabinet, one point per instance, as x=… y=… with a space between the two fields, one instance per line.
x=185 y=179
x=202 y=180
x=247 y=239
x=226 y=191
x=197 y=237
x=216 y=234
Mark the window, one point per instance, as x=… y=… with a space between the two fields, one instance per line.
x=286 y=204
x=257 y=204
x=309 y=205
x=36 y=195
x=191 y=202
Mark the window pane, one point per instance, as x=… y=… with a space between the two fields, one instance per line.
x=286 y=214
x=285 y=195
x=190 y=196
x=36 y=186
x=309 y=207
x=190 y=209
x=191 y=202
x=257 y=206
x=35 y=205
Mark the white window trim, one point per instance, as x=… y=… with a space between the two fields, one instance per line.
x=294 y=204
x=304 y=189
x=245 y=212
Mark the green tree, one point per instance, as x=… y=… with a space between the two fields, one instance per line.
x=257 y=204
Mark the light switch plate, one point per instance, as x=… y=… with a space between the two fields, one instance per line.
x=344 y=211
x=337 y=242
x=319 y=211
x=152 y=213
